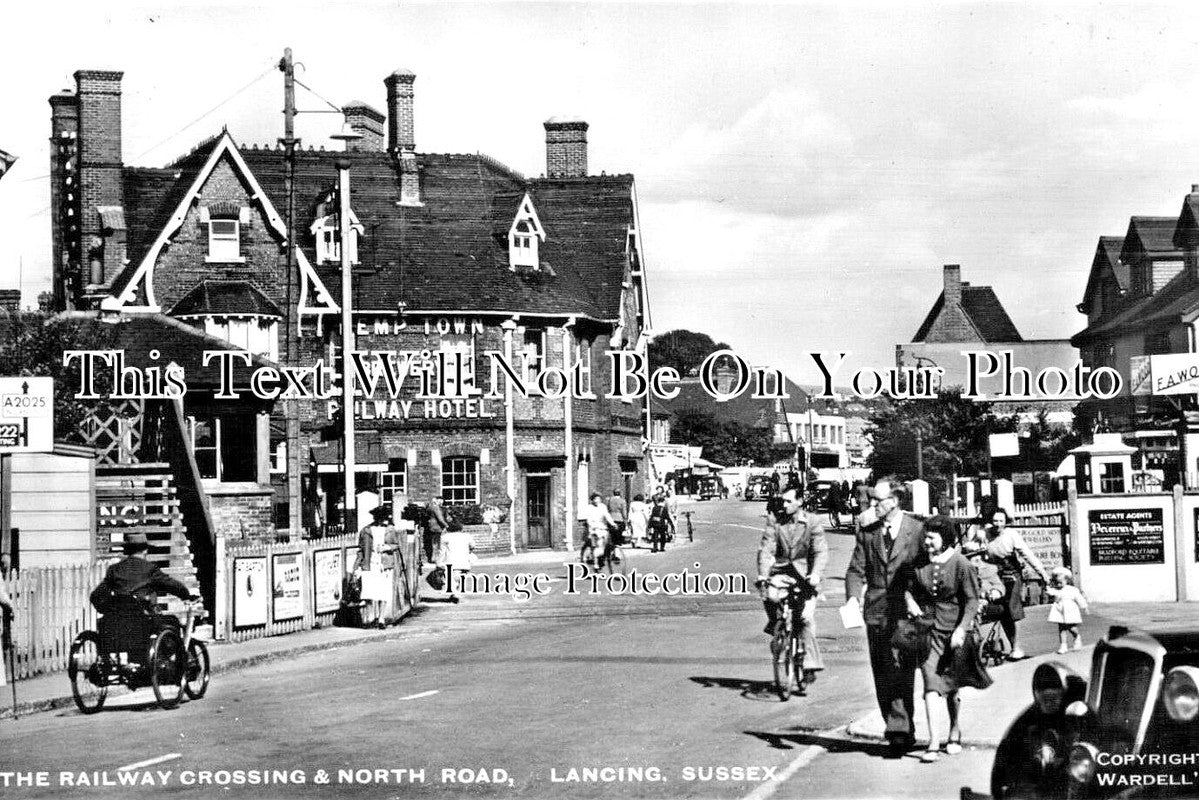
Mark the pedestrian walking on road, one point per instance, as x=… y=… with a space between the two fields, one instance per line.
x=1069 y=603
x=456 y=557
x=943 y=591
x=377 y=545
x=619 y=510
x=638 y=520
x=435 y=526
x=660 y=522
x=1006 y=549
x=599 y=527
x=887 y=543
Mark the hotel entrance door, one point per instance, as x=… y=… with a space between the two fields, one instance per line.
x=537 y=509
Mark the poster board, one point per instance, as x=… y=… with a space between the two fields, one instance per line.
x=1126 y=536
x=249 y=591
x=287 y=581
x=1048 y=543
x=327 y=572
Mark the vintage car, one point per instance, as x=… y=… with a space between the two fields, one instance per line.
x=1131 y=732
x=758 y=487
x=708 y=487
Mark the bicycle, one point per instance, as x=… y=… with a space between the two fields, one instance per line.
x=615 y=553
x=787 y=650
x=175 y=663
x=690 y=528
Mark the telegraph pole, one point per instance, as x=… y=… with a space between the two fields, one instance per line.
x=350 y=523
x=291 y=410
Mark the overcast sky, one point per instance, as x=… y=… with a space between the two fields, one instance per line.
x=804 y=170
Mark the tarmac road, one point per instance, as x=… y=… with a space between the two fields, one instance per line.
x=571 y=696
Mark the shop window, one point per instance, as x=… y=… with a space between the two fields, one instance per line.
x=460 y=480
x=225 y=446
x=393 y=482
x=1111 y=479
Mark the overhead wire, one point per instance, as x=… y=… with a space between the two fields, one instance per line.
x=273 y=66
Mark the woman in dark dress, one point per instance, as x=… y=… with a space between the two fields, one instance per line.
x=943 y=589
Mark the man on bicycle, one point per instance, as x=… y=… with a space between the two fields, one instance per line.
x=794 y=544
x=599 y=524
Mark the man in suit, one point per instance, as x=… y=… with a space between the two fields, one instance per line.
x=135 y=577
x=794 y=544
x=888 y=541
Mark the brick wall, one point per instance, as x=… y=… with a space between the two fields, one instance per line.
x=100 y=166
x=245 y=514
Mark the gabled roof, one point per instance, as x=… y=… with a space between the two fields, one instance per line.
x=451 y=252
x=982 y=309
x=1186 y=234
x=227 y=298
x=168 y=206
x=1163 y=308
x=1106 y=263
x=1148 y=235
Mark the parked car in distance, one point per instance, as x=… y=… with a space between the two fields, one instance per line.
x=1131 y=731
x=709 y=488
x=758 y=487
x=816 y=499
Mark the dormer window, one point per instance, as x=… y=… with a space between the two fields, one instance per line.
x=524 y=236
x=328 y=239
x=225 y=224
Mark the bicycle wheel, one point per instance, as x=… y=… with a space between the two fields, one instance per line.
x=167 y=668
x=617 y=561
x=797 y=658
x=88 y=684
x=780 y=651
x=196 y=681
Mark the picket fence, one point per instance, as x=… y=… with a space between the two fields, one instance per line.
x=50 y=608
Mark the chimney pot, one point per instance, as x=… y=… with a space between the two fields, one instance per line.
x=565 y=147
x=401 y=133
x=953 y=284
x=1195 y=188
x=368 y=122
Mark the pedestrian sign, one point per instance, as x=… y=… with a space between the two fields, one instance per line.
x=26 y=415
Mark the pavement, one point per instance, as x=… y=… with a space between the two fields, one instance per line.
x=986 y=714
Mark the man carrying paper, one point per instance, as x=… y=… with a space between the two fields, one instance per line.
x=888 y=540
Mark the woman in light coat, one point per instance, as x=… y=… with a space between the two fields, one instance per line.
x=639 y=520
x=455 y=557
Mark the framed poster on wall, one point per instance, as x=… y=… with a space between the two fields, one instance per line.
x=286 y=572
x=250 y=591
x=326 y=580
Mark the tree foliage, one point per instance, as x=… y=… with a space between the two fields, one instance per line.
x=682 y=349
x=32 y=344
x=725 y=442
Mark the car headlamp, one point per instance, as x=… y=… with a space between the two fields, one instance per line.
x=1049 y=687
x=1083 y=762
x=1180 y=693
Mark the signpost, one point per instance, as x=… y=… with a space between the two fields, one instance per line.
x=26 y=415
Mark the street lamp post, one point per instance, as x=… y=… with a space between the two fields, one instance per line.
x=350 y=523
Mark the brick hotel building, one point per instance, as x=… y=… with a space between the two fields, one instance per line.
x=451 y=253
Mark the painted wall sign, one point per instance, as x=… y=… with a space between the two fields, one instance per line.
x=1126 y=536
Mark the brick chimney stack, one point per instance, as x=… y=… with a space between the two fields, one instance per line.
x=365 y=120
x=953 y=285
x=64 y=198
x=565 y=147
x=401 y=134
x=98 y=95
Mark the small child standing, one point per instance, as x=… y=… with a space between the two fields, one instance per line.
x=1068 y=605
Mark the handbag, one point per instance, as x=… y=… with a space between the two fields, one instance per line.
x=436 y=578
x=911 y=636
x=968 y=668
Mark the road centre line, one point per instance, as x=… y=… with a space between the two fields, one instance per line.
x=149 y=762
x=429 y=693
x=739 y=525
x=768 y=788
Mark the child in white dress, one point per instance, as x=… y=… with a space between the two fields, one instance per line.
x=1068 y=605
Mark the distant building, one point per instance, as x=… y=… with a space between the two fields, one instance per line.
x=10 y=301
x=969 y=318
